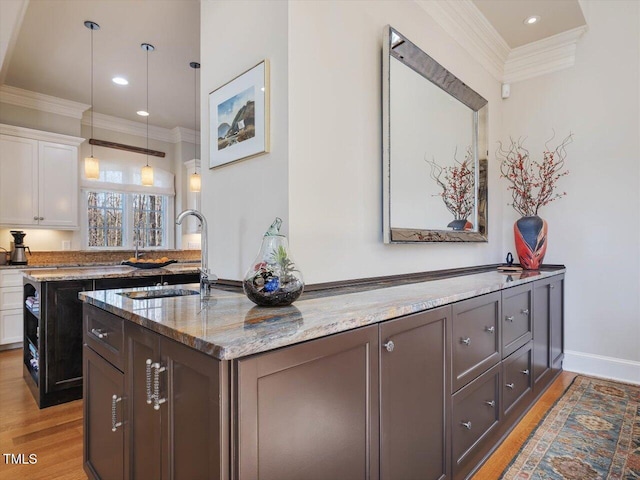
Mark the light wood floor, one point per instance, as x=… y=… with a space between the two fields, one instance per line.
x=54 y=434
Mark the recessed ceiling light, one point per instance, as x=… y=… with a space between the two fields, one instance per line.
x=142 y=113
x=531 y=20
x=120 y=81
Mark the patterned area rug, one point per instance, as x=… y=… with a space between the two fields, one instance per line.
x=592 y=432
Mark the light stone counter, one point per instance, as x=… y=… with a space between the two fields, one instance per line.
x=228 y=325
x=109 y=271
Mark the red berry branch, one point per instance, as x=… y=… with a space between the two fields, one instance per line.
x=533 y=183
x=458 y=185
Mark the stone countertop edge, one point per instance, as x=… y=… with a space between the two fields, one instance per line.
x=229 y=326
x=55 y=274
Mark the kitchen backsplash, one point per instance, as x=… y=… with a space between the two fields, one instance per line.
x=113 y=257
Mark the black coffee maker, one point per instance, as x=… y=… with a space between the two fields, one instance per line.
x=19 y=252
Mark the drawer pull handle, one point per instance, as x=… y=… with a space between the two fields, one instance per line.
x=466 y=341
x=466 y=425
x=148 y=380
x=99 y=333
x=491 y=403
x=157 y=401
x=525 y=311
x=525 y=371
x=552 y=286
x=490 y=329
x=509 y=318
x=114 y=423
x=510 y=386
x=389 y=346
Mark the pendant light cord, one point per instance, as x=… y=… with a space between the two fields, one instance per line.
x=147 y=106
x=195 y=115
x=91 y=91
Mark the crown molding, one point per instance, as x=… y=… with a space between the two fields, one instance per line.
x=39 y=101
x=471 y=29
x=182 y=134
x=41 y=135
x=464 y=22
x=544 y=56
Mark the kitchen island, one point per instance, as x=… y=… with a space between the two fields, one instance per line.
x=388 y=381
x=52 y=320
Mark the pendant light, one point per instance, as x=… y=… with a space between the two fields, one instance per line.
x=91 y=164
x=195 y=182
x=147 y=171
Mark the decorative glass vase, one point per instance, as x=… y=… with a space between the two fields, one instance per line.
x=531 y=241
x=273 y=279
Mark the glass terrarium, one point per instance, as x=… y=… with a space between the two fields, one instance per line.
x=273 y=278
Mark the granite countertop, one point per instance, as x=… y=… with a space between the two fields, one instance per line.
x=49 y=274
x=227 y=325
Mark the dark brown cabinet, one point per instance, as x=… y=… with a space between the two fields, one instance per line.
x=310 y=410
x=414 y=386
x=476 y=415
x=104 y=440
x=475 y=338
x=174 y=409
x=516 y=318
x=548 y=330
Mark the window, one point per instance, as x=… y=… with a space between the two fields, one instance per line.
x=118 y=220
x=120 y=212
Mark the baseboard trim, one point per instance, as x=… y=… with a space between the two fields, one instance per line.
x=601 y=366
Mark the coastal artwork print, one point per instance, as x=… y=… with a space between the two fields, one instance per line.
x=239 y=122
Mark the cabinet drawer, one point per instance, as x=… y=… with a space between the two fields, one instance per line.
x=476 y=339
x=10 y=298
x=517 y=378
x=104 y=333
x=476 y=412
x=10 y=278
x=516 y=318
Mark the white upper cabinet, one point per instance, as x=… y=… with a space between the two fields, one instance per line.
x=38 y=179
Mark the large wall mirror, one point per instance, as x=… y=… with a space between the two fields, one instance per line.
x=435 y=150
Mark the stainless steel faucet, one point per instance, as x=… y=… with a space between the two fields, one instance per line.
x=207 y=279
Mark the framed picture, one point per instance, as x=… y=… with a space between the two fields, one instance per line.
x=239 y=117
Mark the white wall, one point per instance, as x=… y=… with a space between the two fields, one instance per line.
x=240 y=200
x=335 y=140
x=594 y=230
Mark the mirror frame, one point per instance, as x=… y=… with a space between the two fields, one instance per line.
x=398 y=46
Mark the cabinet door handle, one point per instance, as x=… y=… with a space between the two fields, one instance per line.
x=552 y=286
x=490 y=329
x=491 y=403
x=35 y=218
x=466 y=341
x=157 y=401
x=148 y=380
x=510 y=386
x=466 y=425
x=525 y=311
x=389 y=346
x=99 y=333
x=509 y=318
x=114 y=423
x=41 y=218
x=525 y=371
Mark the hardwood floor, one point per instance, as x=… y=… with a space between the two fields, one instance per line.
x=54 y=434
x=495 y=465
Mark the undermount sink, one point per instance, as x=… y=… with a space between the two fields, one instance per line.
x=149 y=294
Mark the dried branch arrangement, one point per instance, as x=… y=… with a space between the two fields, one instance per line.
x=458 y=185
x=533 y=183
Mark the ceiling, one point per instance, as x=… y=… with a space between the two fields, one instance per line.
x=52 y=55
x=507 y=17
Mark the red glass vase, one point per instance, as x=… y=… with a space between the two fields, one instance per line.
x=531 y=241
